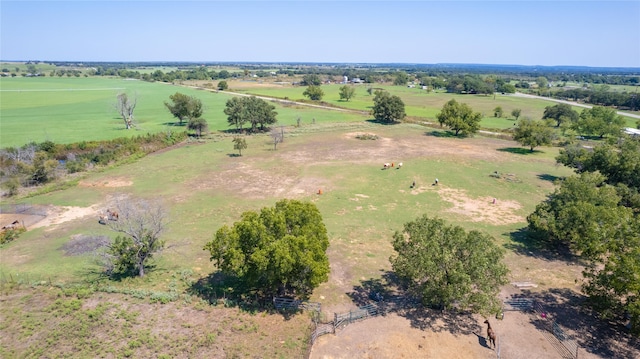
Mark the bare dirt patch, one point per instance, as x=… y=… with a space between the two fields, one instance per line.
x=412 y=334
x=60 y=214
x=110 y=183
x=483 y=209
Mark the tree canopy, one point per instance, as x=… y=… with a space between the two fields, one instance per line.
x=585 y=215
x=533 y=133
x=314 y=93
x=184 y=107
x=459 y=117
x=311 y=80
x=449 y=267
x=599 y=121
x=239 y=143
x=279 y=250
x=253 y=110
x=560 y=113
x=388 y=108
x=347 y=92
x=198 y=124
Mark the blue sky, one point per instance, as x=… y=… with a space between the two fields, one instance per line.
x=576 y=33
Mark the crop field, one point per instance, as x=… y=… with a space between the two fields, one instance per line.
x=204 y=185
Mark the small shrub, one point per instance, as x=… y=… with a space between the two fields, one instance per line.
x=367 y=136
x=10 y=234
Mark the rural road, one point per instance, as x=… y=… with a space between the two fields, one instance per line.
x=519 y=94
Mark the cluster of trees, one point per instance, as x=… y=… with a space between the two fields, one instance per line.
x=255 y=111
x=188 y=108
x=475 y=84
x=596 y=215
x=596 y=121
x=601 y=96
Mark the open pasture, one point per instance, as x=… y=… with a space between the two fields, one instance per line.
x=66 y=110
x=418 y=103
x=204 y=186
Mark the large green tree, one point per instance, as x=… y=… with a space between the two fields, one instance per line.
x=459 y=117
x=533 y=133
x=449 y=267
x=600 y=121
x=314 y=93
x=387 y=108
x=234 y=109
x=619 y=163
x=561 y=113
x=279 y=250
x=580 y=214
x=347 y=92
x=184 y=107
x=253 y=110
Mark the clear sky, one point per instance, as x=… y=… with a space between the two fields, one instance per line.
x=518 y=32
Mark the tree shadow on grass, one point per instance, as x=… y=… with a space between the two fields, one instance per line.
x=233 y=155
x=570 y=310
x=548 y=177
x=390 y=296
x=519 y=150
x=378 y=122
x=441 y=134
x=229 y=291
x=523 y=243
x=176 y=124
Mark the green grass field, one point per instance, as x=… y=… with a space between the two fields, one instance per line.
x=204 y=186
x=66 y=110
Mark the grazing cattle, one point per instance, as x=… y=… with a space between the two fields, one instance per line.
x=386 y=165
x=103 y=220
x=399 y=165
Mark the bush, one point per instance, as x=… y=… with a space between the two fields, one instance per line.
x=9 y=235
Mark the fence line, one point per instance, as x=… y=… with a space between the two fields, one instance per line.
x=568 y=345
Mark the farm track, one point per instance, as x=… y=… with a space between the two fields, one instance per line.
x=519 y=94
